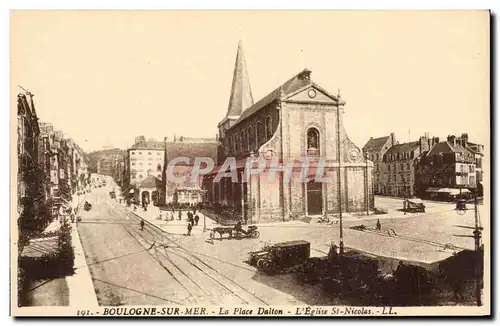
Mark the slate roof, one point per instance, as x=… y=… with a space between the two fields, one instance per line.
x=293 y=84
x=446 y=147
x=150 y=144
x=241 y=92
x=191 y=150
x=151 y=182
x=375 y=144
x=403 y=148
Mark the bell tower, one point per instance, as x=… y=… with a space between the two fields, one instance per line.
x=240 y=97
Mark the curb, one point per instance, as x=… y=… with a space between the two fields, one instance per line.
x=81 y=287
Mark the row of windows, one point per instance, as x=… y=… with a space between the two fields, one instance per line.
x=248 y=138
x=402 y=167
x=140 y=176
x=402 y=178
x=146 y=158
x=158 y=166
x=400 y=156
x=149 y=153
x=463 y=168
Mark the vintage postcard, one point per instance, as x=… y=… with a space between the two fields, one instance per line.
x=243 y=164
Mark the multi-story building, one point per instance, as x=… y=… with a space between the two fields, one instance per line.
x=478 y=151
x=376 y=148
x=299 y=119
x=144 y=158
x=398 y=167
x=188 y=191
x=447 y=168
x=28 y=173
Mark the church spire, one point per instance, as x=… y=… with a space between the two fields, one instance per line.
x=241 y=94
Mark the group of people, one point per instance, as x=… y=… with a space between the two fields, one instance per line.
x=193 y=220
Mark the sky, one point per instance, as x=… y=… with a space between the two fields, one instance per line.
x=106 y=77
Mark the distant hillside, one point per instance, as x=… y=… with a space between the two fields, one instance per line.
x=96 y=156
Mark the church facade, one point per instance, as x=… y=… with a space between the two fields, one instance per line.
x=298 y=121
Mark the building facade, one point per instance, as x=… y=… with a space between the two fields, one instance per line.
x=144 y=158
x=185 y=189
x=398 y=167
x=50 y=168
x=28 y=172
x=297 y=121
x=376 y=148
x=447 y=165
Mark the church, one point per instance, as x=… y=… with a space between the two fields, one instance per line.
x=299 y=119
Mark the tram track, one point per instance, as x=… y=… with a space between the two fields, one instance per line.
x=173 y=247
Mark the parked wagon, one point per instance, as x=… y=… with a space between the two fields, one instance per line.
x=415 y=205
x=281 y=257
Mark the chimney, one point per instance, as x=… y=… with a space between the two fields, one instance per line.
x=305 y=74
x=424 y=143
x=465 y=139
x=393 y=140
x=452 y=139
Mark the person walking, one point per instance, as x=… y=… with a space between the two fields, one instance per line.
x=189 y=227
x=379 y=226
x=179 y=217
x=190 y=216
x=142 y=225
x=196 y=219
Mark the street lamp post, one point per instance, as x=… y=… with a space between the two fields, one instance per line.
x=366 y=187
x=340 y=104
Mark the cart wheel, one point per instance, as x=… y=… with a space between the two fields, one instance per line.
x=255 y=234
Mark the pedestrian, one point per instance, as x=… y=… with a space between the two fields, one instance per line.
x=190 y=216
x=142 y=225
x=180 y=216
x=196 y=219
x=379 y=226
x=189 y=227
x=194 y=210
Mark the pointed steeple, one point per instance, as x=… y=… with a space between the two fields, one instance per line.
x=241 y=93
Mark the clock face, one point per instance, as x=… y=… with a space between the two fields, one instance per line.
x=268 y=154
x=312 y=93
x=353 y=154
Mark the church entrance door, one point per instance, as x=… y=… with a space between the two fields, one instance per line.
x=314 y=198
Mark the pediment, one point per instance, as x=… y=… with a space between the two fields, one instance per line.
x=311 y=94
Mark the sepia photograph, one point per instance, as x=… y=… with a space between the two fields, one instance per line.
x=250 y=163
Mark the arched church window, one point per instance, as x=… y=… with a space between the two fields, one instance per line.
x=236 y=143
x=250 y=138
x=260 y=133
x=313 y=142
x=269 y=127
x=244 y=142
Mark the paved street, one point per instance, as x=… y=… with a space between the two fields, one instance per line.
x=130 y=266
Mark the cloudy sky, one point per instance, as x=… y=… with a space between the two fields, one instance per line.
x=106 y=77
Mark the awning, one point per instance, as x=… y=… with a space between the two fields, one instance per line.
x=444 y=190
x=458 y=191
x=432 y=190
